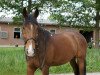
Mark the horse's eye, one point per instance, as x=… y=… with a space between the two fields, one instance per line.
x=23 y=28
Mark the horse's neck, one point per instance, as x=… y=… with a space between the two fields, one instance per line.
x=42 y=39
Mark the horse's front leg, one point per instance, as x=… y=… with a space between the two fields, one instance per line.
x=45 y=70
x=30 y=70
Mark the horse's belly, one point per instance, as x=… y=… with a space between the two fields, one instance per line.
x=58 y=61
x=61 y=59
x=64 y=51
x=59 y=56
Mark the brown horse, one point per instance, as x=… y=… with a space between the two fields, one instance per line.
x=44 y=50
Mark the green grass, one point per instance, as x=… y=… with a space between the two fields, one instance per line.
x=13 y=62
x=93 y=60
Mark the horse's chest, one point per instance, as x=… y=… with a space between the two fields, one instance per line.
x=33 y=61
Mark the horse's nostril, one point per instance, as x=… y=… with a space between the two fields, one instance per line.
x=27 y=52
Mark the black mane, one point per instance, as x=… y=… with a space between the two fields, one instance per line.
x=42 y=42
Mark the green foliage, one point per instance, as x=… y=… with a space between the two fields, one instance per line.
x=76 y=12
x=18 y=20
x=14 y=5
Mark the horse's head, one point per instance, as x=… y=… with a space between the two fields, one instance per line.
x=29 y=31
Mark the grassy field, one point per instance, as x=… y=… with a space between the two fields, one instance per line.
x=12 y=62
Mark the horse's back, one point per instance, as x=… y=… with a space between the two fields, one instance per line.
x=71 y=37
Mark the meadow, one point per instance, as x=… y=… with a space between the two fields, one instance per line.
x=13 y=62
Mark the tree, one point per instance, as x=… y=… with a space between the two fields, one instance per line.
x=17 y=5
x=14 y=5
x=84 y=13
x=97 y=19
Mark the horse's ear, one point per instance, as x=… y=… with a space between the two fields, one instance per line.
x=36 y=13
x=25 y=13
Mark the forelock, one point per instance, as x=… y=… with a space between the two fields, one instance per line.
x=31 y=19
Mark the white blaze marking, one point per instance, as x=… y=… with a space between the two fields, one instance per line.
x=31 y=27
x=30 y=50
x=31 y=30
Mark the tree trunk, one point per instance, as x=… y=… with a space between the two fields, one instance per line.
x=29 y=5
x=22 y=3
x=97 y=30
x=97 y=24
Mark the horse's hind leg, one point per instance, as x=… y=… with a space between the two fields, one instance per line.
x=74 y=66
x=82 y=66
